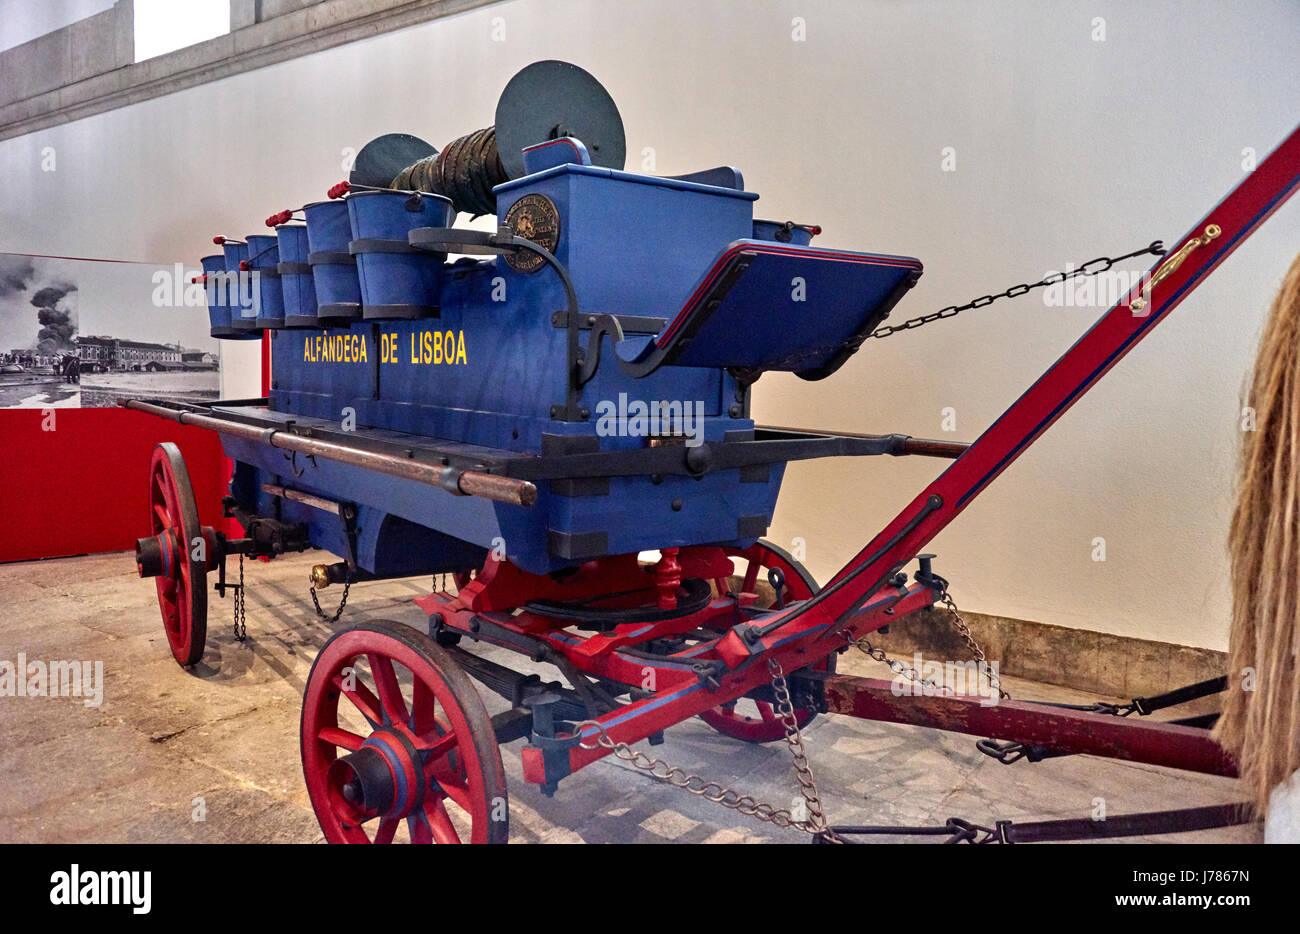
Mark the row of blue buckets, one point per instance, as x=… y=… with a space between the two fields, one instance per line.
x=349 y=261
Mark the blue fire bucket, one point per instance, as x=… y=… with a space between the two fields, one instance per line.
x=397 y=280
x=268 y=300
x=333 y=268
x=239 y=284
x=297 y=290
x=214 y=271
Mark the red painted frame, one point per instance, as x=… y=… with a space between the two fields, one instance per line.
x=850 y=603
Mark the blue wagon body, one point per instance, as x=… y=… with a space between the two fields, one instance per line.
x=469 y=363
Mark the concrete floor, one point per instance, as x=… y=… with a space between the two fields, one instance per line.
x=133 y=769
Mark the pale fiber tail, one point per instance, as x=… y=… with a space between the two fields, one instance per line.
x=1261 y=727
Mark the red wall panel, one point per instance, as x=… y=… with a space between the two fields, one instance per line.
x=83 y=487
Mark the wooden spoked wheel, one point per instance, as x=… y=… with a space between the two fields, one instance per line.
x=397 y=745
x=751 y=720
x=181 y=549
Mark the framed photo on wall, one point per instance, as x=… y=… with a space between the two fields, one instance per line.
x=80 y=333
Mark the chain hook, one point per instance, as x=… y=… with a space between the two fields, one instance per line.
x=343 y=601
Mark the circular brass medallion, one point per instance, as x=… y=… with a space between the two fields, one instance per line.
x=533 y=217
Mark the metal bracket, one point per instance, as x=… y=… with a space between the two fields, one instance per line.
x=925 y=575
x=348 y=517
x=589 y=360
x=637 y=324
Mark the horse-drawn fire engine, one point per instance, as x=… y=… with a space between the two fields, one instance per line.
x=537 y=416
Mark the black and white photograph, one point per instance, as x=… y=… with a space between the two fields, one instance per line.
x=83 y=333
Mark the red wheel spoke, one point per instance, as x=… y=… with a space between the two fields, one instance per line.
x=437 y=748
x=457 y=792
x=419 y=828
x=440 y=823
x=387 y=830
x=424 y=709
x=337 y=736
x=390 y=692
x=361 y=697
x=766 y=712
x=751 y=576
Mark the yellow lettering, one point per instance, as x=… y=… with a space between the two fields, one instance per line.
x=427 y=348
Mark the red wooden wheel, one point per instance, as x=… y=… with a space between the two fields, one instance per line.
x=750 y=720
x=396 y=743
x=183 y=552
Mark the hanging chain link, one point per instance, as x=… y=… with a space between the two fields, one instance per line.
x=815 y=823
x=343 y=601
x=976 y=652
x=1090 y=268
x=863 y=644
x=241 y=628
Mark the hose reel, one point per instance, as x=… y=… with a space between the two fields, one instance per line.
x=544 y=101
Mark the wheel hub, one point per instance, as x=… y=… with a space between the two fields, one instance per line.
x=385 y=776
x=155 y=556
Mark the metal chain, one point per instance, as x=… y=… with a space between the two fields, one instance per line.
x=241 y=628
x=347 y=584
x=815 y=823
x=976 y=652
x=863 y=644
x=1102 y=263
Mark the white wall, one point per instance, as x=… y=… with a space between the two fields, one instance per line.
x=1067 y=149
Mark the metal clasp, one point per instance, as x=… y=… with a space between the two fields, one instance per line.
x=1170 y=266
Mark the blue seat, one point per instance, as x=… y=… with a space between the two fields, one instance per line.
x=766 y=305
